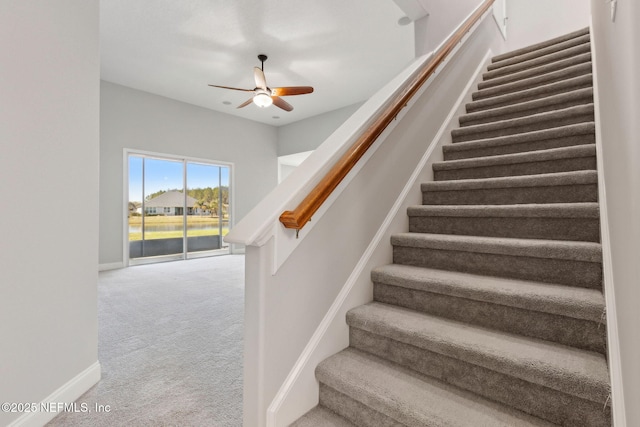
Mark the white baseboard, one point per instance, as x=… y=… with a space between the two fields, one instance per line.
x=68 y=393
x=110 y=266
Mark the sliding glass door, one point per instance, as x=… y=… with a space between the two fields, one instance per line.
x=166 y=222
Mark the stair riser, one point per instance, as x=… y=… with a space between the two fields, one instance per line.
x=465 y=134
x=572 y=229
x=490 y=81
x=531 y=83
x=508 y=196
x=518 y=169
x=560 y=271
x=540 y=401
x=519 y=97
x=353 y=410
x=499 y=70
x=466 y=121
x=451 y=153
x=578 y=333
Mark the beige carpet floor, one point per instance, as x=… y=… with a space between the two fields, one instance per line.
x=170 y=346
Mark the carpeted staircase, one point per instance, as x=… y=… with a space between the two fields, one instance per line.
x=492 y=313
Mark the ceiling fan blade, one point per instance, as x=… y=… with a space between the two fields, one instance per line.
x=232 y=88
x=291 y=90
x=258 y=74
x=279 y=102
x=245 y=103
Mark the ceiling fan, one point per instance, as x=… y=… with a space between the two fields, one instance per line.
x=263 y=95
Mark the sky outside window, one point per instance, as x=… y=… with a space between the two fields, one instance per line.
x=167 y=175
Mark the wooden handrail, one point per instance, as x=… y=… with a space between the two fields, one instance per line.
x=302 y=214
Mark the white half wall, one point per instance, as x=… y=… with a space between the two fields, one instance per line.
x=617 y=66
x=308 y=134
x=49 y=100
x=142 y=121
x=530 y=22
x=290 y=291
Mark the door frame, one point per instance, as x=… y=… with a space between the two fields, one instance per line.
x=126 y=152
x=500 y=16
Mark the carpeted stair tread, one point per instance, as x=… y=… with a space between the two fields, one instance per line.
x=578 y=303
x=542 y=60
x=575 y=372
x=565 y=262
x=551 y=210
x=547 y=103
x=493 y=100
x=587 y=150
x=554 y=48
x=557 y=187
x=532 y=248
x=490 y=79
x=412 y=399
x=569 y=135
x=549 y=119
x=321 y=417
x=559 y=76
x=541 y=45
x=545 y=180
x=557 y=221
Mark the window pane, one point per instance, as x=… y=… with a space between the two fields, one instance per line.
x=164 y=207
x=203 y=231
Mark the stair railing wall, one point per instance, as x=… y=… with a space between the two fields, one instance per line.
x=295 y=396
x=616 y=95
x=297 y=290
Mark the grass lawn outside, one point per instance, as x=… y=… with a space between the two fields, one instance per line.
x=191 y=219
x=155 y=222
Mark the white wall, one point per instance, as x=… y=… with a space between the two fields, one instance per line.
x=443 y=19
x=284 y=171
x=617 y=67
x=289 y=163
x=49 y=100
x=308 y=134
x=530 y=22
x=139 y=120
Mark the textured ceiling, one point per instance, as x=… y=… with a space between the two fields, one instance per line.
x=345 y=49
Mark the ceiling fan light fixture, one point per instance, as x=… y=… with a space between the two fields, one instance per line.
x=264 y=96
x=262 y=100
